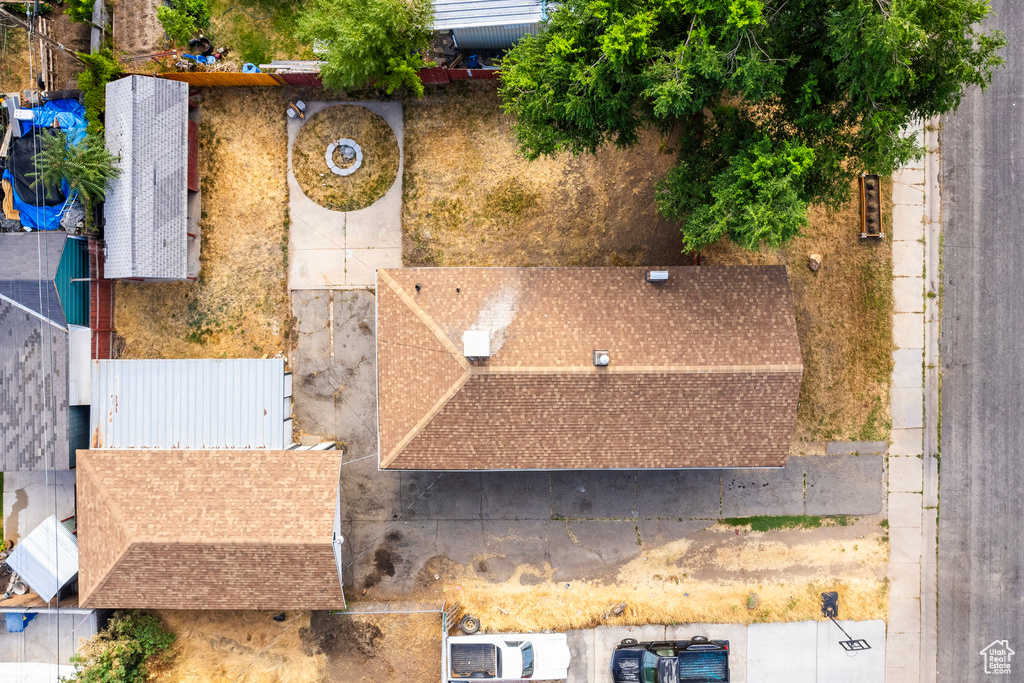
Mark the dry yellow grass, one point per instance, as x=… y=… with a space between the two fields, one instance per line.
x=670 y=583
x=217 y=647
x=369 y=182
x=239 y=307
x=471 y=200
x=844 y=319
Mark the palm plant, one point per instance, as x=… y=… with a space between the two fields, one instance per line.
x=86 y=166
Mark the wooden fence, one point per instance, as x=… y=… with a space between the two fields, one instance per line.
x=432 y=76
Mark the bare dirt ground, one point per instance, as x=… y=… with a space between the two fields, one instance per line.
x=471 y=200
x=16 y=62
x=844 y=319
x=380 y=647
x=248 y=647
x=707 y=577
x=239 y=307
x=137 y=31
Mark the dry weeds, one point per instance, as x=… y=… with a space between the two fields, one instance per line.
x=844 y=319
x=218 y=646
x=379 y=647
x=472 y=200
x=669 y=584
x=373 y=178
x=239 y=307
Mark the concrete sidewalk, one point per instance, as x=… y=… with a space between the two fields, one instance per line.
x=913 y=461
x=798 y=652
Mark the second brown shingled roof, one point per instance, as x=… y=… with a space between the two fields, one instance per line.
x=180 y=529
x=705 y=368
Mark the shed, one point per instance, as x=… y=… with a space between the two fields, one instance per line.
x=198 y=404
x=489 y=24
x=47 y=559
x=45 y=349
x=585 y=368
x=189 y=529
x=145 y=214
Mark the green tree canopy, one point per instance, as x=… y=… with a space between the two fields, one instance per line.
x=369 y=41
x=86 y=166
x=780 y=103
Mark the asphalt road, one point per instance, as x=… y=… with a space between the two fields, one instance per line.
x=981 y=511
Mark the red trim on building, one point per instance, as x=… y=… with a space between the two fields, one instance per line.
x=101 y=304
x=193 y=156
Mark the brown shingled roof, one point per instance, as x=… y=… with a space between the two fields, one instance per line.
x=180 y=529
x=705 y=368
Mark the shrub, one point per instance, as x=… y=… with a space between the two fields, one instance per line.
x=100 y=69
x=119 y=653
x=184 y=19
x=79 y=10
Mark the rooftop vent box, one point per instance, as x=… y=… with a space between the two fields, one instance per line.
x=476 y=344
x=602 y=358
x=657 y=276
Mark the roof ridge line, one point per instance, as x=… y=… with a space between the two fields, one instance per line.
x=424 y=318
x=628 y=369
x=425 y=420
x=115 y=512
x=32 y=312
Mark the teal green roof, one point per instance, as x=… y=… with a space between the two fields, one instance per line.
x=74 y=296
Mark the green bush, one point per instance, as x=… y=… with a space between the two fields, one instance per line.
x=183 y=20
x=79 y=10
x=100 y=69
x=119 y=653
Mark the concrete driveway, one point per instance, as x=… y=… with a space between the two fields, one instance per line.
x=400 y=525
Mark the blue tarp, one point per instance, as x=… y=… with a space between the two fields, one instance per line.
x=70 y=116
x=36 y=217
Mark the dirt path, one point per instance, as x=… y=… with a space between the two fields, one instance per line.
x=239 y=307
x=137 y=31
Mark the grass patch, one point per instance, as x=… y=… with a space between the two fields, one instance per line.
x=843 y=317
x=258 y=31
x=775 y=523
x=380 y=158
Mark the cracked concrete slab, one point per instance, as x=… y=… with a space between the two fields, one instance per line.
x=607 y=494
x=746 y=493
x=851 y=486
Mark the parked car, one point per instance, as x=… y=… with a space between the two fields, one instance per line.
x=508 y=657
x=697 y=660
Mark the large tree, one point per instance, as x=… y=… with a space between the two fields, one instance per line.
x=369 y=42
x=779 y=103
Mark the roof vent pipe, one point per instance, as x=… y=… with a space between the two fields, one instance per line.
x=602 y=358
x=657 y=276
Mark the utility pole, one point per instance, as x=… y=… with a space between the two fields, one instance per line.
x=46 y=39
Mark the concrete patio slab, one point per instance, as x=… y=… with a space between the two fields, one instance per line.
x=906 y=474
x=905 y=544
x=907 y=258
x=908 y=330
x=908 y=368
x=907 y=442
x=836 y=665
x=782 y=652
x=746 y=493
x=907 y=407
x=905 y=510
x=904 y=580
x=907 y=295
x=342 y=250
x=846 y=486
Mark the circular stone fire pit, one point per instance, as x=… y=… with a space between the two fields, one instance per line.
x=351 y=154
x=336 y=171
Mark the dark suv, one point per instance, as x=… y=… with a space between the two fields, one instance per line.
x=697 y=660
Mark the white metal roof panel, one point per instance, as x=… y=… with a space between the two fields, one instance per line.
x=196 y=404
x=47 y=558
x=455 y=14
x=145 y=211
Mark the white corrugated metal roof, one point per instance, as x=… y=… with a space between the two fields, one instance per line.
x=47 y=558
x=454 y=14
x=145 y=211
x=197 y=404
